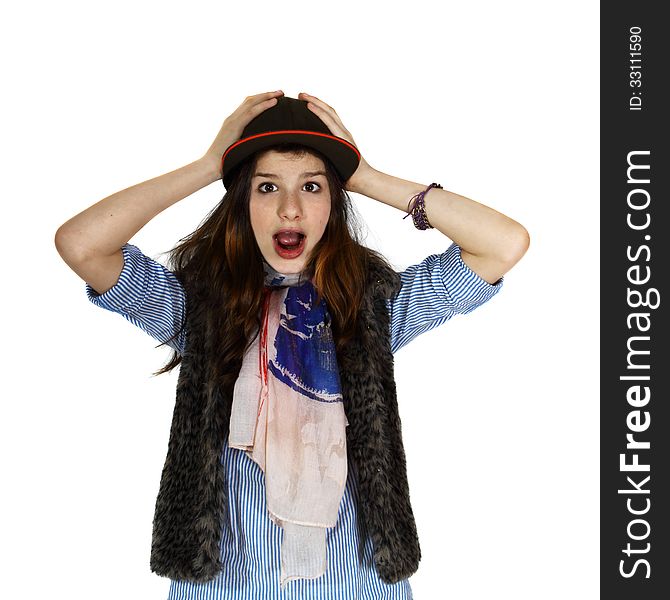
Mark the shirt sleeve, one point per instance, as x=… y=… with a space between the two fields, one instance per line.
x=432 y=292
x=148 y=295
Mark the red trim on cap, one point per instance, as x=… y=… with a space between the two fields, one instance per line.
x=258 y=135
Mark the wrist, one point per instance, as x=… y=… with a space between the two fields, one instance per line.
x=211 y=164
x=362 y=179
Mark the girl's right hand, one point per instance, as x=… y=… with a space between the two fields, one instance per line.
x=232 y=127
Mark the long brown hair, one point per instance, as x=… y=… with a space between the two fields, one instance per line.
x=221 y=265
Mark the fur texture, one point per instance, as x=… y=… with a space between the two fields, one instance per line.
x=192 y=498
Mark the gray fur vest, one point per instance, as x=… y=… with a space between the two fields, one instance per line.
x=192 y=499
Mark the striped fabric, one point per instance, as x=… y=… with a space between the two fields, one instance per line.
x=149 y=295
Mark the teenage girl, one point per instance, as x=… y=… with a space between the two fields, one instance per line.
x=285 y=473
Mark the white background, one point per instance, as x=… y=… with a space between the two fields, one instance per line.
x=497 y=101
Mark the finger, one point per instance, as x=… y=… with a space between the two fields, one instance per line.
x=256 y=104
x=256 y=99
x=321 y=104
x=324 y=116
x=316 y=100
x=257 y=109
x=332 y=122
x=263 y=96
x=329 y=110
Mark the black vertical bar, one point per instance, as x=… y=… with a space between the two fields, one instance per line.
x=635 y=358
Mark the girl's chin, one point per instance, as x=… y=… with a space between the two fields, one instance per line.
x=284 y=266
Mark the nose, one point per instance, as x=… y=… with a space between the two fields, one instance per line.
x=289 y=207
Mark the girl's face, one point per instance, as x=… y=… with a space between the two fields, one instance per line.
x=289 y=208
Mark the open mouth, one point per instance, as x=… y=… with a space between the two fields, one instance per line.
x=289 y=244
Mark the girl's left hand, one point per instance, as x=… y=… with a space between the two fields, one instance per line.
x=328 y=115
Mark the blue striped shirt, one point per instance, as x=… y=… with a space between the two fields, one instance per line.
x=149 y=295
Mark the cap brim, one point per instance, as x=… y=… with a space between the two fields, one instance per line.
x=343 y=154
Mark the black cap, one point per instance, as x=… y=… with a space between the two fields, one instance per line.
x=290 y=121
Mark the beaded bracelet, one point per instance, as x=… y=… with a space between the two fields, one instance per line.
x=418 y=209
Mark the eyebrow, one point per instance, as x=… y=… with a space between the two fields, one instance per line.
x=305 y=174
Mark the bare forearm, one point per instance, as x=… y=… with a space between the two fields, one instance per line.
x=491 y=242
x=108 y=224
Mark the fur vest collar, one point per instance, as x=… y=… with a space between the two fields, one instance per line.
x=192 y=498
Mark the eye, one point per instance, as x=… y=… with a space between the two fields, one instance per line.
x=312 y=186
x=263 y=189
